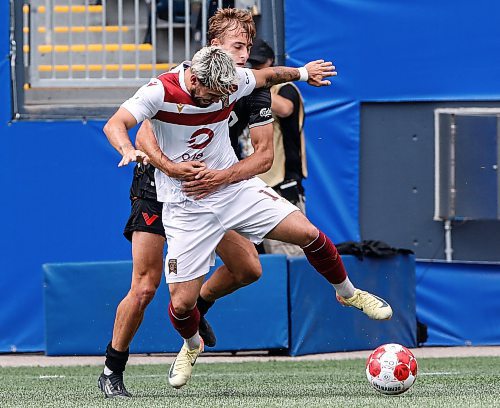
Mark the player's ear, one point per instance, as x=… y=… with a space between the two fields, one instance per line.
x=215 y=42
x=193 y=80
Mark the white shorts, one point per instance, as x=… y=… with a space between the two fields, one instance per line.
x=195 y=228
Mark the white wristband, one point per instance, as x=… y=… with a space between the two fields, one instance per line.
x=304 y=75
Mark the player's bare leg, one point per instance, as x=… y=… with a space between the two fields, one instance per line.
x=147 y=255
x=241 y=267
x=323 y=256
x=185 y=318
x=147 y=260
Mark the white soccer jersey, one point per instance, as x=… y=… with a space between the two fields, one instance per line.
x=184 y=131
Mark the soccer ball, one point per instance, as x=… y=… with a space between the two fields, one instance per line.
x=391 y=369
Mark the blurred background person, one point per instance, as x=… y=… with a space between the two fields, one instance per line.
x=289 y=168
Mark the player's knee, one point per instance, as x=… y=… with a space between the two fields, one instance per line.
x=251 y=271
x=144 y=294
x=309 y=235
x=181 y=306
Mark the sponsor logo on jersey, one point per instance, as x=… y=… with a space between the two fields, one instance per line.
x=180 y=107
x=247 y=80
x=172 y=266
x=149 y=220
x=207 y=136
x=265 y=112
x=152 y=83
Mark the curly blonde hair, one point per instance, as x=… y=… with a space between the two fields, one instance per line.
x=230 y=19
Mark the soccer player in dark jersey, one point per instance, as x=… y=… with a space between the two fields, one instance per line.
x=234 y=31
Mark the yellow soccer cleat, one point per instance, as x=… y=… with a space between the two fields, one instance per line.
x=182 y=367
x=371 y=305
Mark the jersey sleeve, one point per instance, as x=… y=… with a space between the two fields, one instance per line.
x=246 y=83
x=147 y=101
x=259 y=103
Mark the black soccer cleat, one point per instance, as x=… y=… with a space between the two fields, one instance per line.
x=207 y=333
x=112 y=385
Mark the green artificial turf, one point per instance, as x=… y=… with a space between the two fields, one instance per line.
x=441 y=383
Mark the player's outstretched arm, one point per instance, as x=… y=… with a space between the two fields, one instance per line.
x=314 y=72
x=146 y=141
x=116 y=130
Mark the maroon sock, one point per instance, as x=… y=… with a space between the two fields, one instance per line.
x=187 y=323
x=323 y=256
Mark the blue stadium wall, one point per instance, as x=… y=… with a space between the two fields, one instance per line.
x=64 y=199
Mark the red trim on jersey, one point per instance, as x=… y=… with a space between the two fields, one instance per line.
x=194 y=119
x=173 y=91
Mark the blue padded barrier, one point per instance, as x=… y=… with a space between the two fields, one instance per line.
x=459 y=302
x=319 y=324
x=81 y=300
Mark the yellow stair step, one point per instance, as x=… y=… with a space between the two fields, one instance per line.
x=100 y=67
x=67 y=9
x=45 y=49
x=82 y=29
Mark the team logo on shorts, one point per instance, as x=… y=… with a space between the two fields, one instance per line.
x=149 y=219
x=172 y=266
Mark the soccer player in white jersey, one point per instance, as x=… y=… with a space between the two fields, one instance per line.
x=233 y=30
x=190 y=109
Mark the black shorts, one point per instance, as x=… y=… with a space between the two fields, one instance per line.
x=145 y=216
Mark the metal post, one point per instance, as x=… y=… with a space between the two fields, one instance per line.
x=451 y=180
x=49 y=32
x=203 y=23
x=448 y=248
x=153 y=36
x=70 y=37
x=104 y=40
x=13 y=56
x=136 y=36
x=170 y=31
x=120 y=39
x=87 y=41
x=187 y=31
x=275 y=28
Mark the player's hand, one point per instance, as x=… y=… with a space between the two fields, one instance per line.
x=206 y=182
x=186 y=171
x=133 y=155
x=319 y=70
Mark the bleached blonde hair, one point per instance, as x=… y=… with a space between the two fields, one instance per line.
x=215 y=69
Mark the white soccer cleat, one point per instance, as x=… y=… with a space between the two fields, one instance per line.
x=182 y=367
x=371 y=305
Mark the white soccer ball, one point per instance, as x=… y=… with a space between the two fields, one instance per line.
x=391 y=369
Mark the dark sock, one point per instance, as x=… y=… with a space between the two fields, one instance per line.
x=323 y=256
x=116 y=360
x=186 y=324
x=203 y=305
